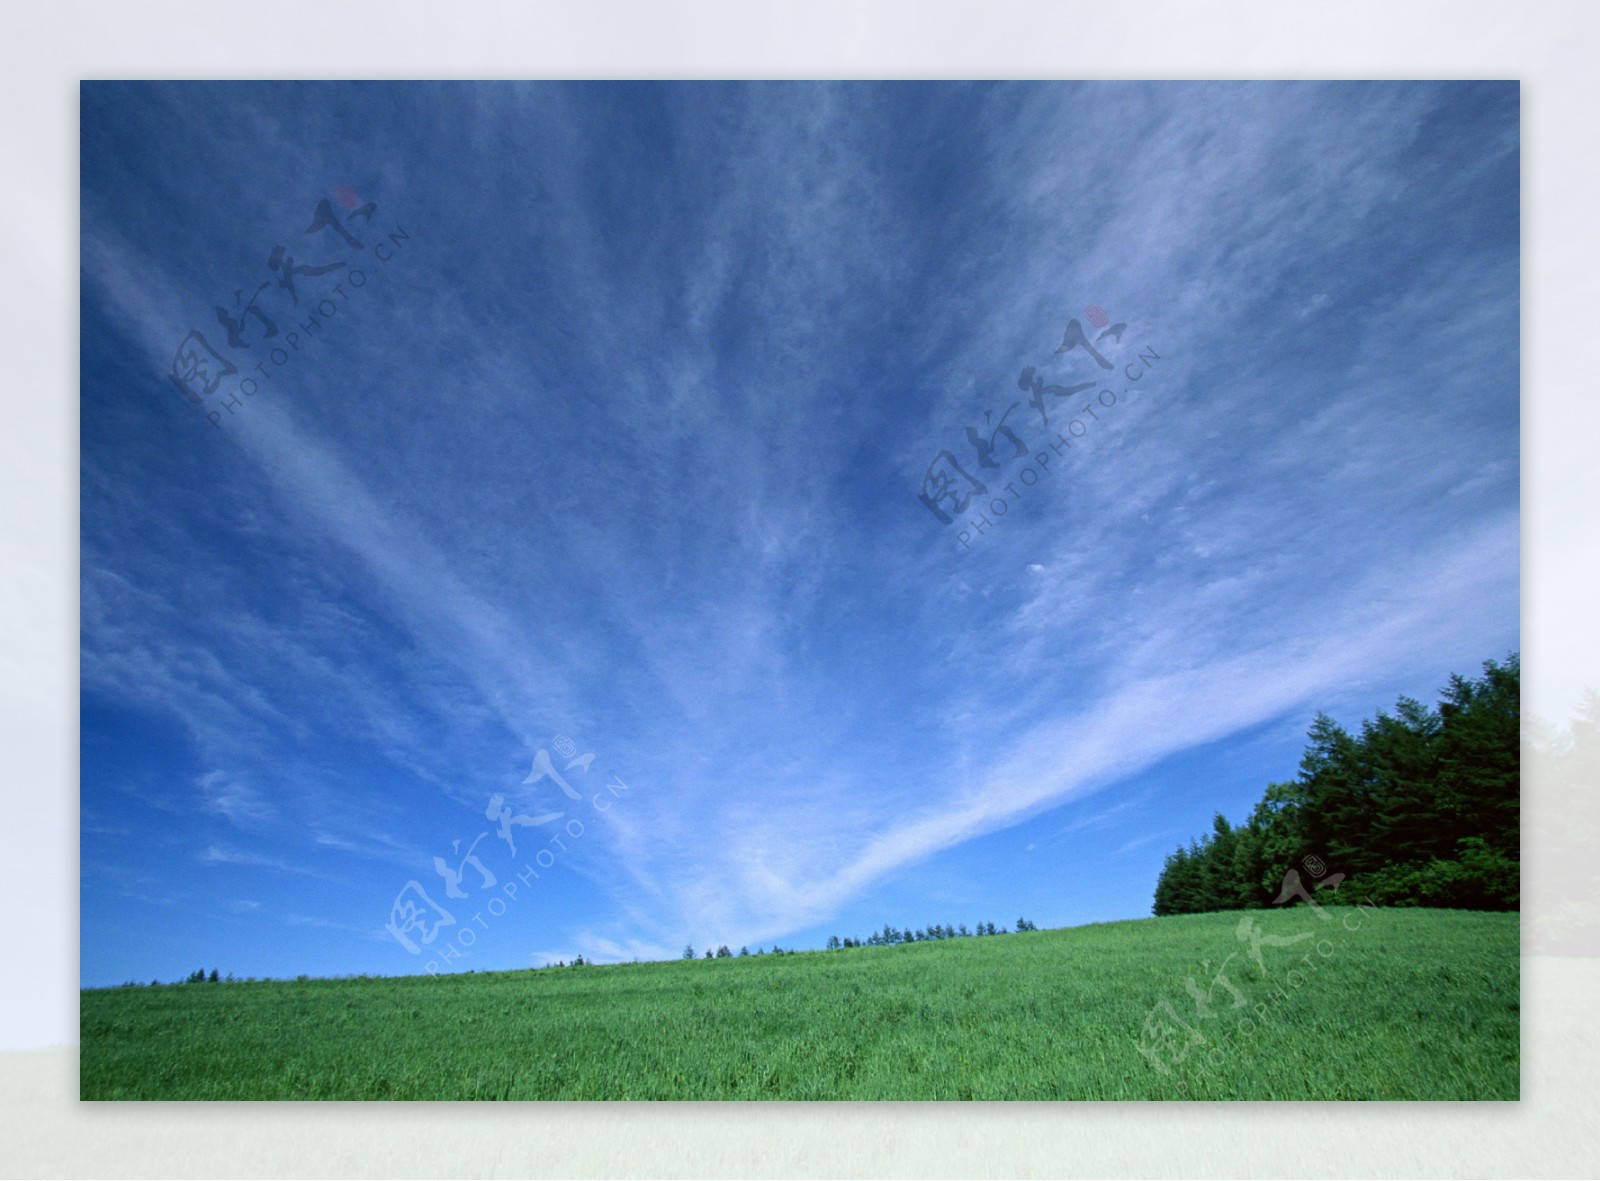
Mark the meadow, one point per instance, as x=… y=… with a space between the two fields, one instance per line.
x=1364 y=1004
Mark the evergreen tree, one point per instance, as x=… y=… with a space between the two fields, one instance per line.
x=1341 y=796
x=1248 y=868
x=1480 y=756
x=1279 y=820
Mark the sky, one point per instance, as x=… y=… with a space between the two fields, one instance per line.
x=621 y=420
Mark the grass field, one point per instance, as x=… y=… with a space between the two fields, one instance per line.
x=1372 y=1004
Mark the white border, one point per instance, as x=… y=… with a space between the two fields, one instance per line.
x=1551 y=47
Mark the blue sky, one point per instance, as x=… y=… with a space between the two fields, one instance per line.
x=620 y=439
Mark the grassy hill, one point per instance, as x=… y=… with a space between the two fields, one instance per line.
x=1364 y=1004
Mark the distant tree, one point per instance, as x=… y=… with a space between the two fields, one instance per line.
x=723 y=953
x=688 y=951
x=833 y=943
x=744 y=951
x=214 y=978
x=963 y=932
x=710 y=954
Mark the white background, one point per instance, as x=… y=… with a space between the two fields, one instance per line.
x=1552 y=48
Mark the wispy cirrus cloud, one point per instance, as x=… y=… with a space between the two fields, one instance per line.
x=222 y=855
x=235 y=801
x=568 y=471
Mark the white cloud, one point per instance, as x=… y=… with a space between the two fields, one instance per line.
x=225 y=795
x=219 y=855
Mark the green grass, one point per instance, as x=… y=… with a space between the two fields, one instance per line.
x=1401 y=1004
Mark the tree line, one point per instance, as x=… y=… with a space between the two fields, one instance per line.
x=1420 y=808
x=884 y=938
x=888 y=935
